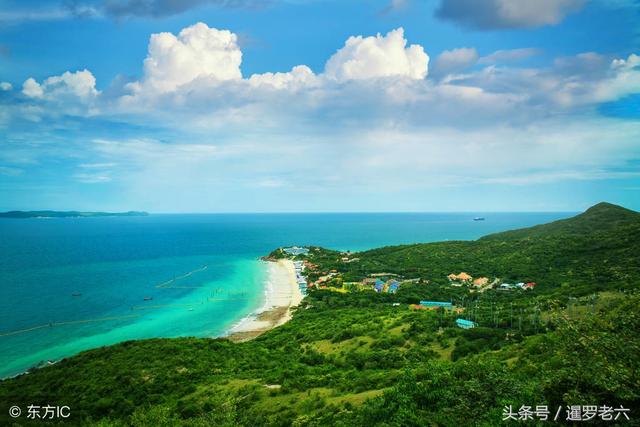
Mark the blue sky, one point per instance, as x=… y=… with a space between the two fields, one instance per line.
x=303 y=105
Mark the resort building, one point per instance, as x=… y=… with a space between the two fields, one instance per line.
x=481 y=281
x=295 y=251
x=379 y=285
x=392 y=286
x=465 y=324
x=309 y=265
x=462 y=277
x=436 y=304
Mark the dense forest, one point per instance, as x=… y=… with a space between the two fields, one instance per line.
x=361 y=358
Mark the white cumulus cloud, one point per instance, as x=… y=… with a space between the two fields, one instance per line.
x=32 y=88
x=298 y=77
x=198 y=52
x=5 y=86
x=79 y=84
x=379 y=56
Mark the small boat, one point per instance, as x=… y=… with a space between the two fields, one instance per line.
x=190 y=309
x=76 y=294
x=478 y=218
x=148 y=298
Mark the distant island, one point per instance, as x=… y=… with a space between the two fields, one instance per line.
x=66 y=214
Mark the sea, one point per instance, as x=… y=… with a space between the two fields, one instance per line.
x=73 y=284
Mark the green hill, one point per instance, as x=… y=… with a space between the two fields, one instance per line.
x=593 y=251
x=601 y=218
x=361 y=358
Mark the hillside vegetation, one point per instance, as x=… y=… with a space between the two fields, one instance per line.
x=594 y=251
x=362 y=358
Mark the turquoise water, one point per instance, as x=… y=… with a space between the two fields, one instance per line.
x=201 y=271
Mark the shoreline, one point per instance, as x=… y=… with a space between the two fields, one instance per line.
x=282 y=293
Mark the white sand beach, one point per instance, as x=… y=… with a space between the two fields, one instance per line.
x=281 y=294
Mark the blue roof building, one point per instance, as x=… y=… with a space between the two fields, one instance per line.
x=465 y=324
x=436 y=304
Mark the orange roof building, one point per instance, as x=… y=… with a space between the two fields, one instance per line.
x=464 y=277
x=481 y=281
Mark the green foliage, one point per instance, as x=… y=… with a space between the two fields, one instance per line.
x=592 y=252
x=351 y=359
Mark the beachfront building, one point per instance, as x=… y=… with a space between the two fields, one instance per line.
x=299 y=267
x=465 y=324
x=295 y=251
x=303 y=288
x=506 y=286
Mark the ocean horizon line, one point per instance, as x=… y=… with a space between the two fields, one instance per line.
x=314 y=212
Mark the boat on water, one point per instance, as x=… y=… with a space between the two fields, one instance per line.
x=478 y=218
x=148 y=298
x=76 y=294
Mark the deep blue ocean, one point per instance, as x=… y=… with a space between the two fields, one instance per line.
x=71 y=284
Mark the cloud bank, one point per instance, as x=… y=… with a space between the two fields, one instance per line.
x=373 y=119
